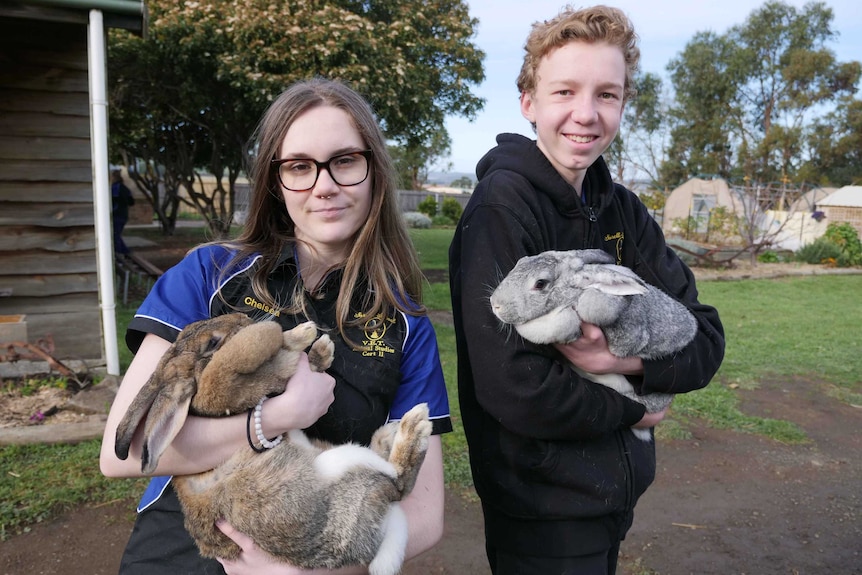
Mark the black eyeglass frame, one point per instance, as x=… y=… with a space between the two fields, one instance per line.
x=276 y=164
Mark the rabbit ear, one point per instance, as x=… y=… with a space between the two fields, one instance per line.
x=613 y=280
x=165 y=396
x=164 y=421
x=133 y=417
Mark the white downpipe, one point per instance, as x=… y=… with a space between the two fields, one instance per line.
x=101 y=187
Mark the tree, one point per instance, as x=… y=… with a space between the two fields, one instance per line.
x=642 y=141
x=744 y=98
x=188 y=96
x=834 y=146
x=705 y=86
x=413 y=162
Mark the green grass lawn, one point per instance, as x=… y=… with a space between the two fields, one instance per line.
x=792 y=327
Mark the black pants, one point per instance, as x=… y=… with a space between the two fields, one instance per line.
x=504 y=562
x=160 y=544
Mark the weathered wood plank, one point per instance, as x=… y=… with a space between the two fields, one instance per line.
x=48 y=285
x=18 y=238
x=32 y=124
x=41 y=148
x=70 y=192
x=56 y=305
x=55 y=433
x=57 y=215
x=31 y=28
x=51 y=170
x=73 y=57
x=49 y=78
x=36 y=263
x=47 y=102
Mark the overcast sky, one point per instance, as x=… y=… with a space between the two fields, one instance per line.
x=664 y=28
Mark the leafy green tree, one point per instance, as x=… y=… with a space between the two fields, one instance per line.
x=187 y=97
x=463 y=182
x=705 y=83
x=745 y=98
x=642 y=141
x=413 y=163
x=834 y=146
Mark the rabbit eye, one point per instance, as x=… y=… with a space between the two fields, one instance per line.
x=540 y=285
x=213 y=343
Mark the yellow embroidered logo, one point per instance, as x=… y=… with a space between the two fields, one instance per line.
x=374 y=330
x=618 y=237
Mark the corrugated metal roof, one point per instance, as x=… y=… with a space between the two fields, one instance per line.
x=848 y=196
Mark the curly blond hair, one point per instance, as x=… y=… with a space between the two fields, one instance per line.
x=593 y=25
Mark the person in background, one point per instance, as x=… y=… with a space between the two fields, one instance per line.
x=324 y=241
x=121 y=200
x=556 y=467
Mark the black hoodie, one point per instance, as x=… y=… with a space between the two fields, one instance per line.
x=552 y=456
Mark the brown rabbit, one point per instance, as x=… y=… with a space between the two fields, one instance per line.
x=305 y=502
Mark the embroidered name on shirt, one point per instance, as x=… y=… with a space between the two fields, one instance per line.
x=374 y=330
x=253 y=303
x=618 y=237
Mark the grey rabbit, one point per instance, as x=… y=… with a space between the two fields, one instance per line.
x=547 y=296
x=305 y=502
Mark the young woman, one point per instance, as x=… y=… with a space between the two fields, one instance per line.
x=324 y=241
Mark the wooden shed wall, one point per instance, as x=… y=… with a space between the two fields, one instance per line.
x=47 y=233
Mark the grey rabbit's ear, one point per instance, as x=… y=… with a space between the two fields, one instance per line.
x=611 y=279
x=594 y=256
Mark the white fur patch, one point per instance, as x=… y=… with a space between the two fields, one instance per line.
x=333 y=463
x=554 y=326
x=390 y=556
x=298 y=437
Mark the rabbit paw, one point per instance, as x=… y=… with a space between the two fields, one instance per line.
x=300 y=337
x=321 y=354
x=383 y=438
x=410 y=445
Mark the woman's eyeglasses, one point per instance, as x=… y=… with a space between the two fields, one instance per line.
x=300 y=174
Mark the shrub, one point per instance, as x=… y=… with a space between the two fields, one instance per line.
x=819 y=251
x=417 y=220
x=442 y=221
x=451 y=208
x=428 y=206
x=768 y=257
x=846 y=238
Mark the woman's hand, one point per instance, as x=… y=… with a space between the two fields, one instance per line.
x=306 y=399
x=252 y=560
x=590 y=353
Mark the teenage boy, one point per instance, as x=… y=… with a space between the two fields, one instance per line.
x=553 y=459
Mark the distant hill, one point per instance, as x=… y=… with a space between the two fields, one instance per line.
x=446 y=178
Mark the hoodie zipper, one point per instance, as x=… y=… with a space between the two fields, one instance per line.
x=588 y=229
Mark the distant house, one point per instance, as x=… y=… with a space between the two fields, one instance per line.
x=845 y=205
x=51 y=165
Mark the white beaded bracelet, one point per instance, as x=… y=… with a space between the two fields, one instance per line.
x=258 y=427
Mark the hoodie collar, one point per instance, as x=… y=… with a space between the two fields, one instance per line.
x=521 y=155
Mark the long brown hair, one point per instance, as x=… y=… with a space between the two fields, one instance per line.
x=382 y=254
